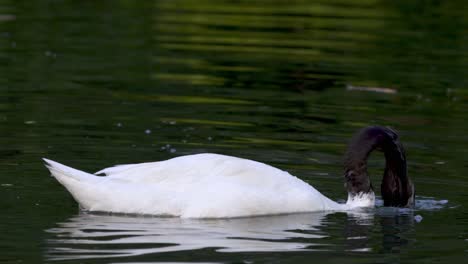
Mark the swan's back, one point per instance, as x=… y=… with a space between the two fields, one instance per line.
x=200 y=168
x=202 y=185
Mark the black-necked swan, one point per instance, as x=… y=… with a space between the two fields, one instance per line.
x=216 y=186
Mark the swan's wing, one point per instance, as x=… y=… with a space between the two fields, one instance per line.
x=117 y=169
x=197 y=168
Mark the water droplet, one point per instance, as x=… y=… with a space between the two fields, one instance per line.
x=147 y=131
x=418 y=218
x=119 y=124
x=210 y=138
x=172 y=150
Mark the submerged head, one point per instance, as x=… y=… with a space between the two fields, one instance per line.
x=396 y=188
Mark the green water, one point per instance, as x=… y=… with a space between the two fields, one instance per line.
x=97 y=83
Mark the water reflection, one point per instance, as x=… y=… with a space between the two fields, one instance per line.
x=113 y=236
x=392 y=227
x=97 y=236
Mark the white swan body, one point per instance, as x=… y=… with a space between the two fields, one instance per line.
x=194 y=186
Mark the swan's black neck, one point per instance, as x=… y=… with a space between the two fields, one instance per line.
x=397 y=189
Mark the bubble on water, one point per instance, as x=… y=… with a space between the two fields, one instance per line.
x=119 y=124
x=418 y=218
x=210 y=138
x=172 y=150
x=49 y=53
x=148 y=131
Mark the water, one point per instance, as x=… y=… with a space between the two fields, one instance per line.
x=95 y=84
x=99 y=236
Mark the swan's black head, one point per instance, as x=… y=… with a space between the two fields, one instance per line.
x=396 y=188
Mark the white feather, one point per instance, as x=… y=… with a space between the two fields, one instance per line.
x=196 y=186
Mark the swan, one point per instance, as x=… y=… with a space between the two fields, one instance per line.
x=218 y=186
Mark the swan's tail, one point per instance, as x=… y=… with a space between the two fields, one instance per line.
x=80 y=184
x=60 y=172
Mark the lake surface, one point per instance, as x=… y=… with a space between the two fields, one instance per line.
x=92 y=84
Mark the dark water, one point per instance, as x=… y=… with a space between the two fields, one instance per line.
x=97 y=83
